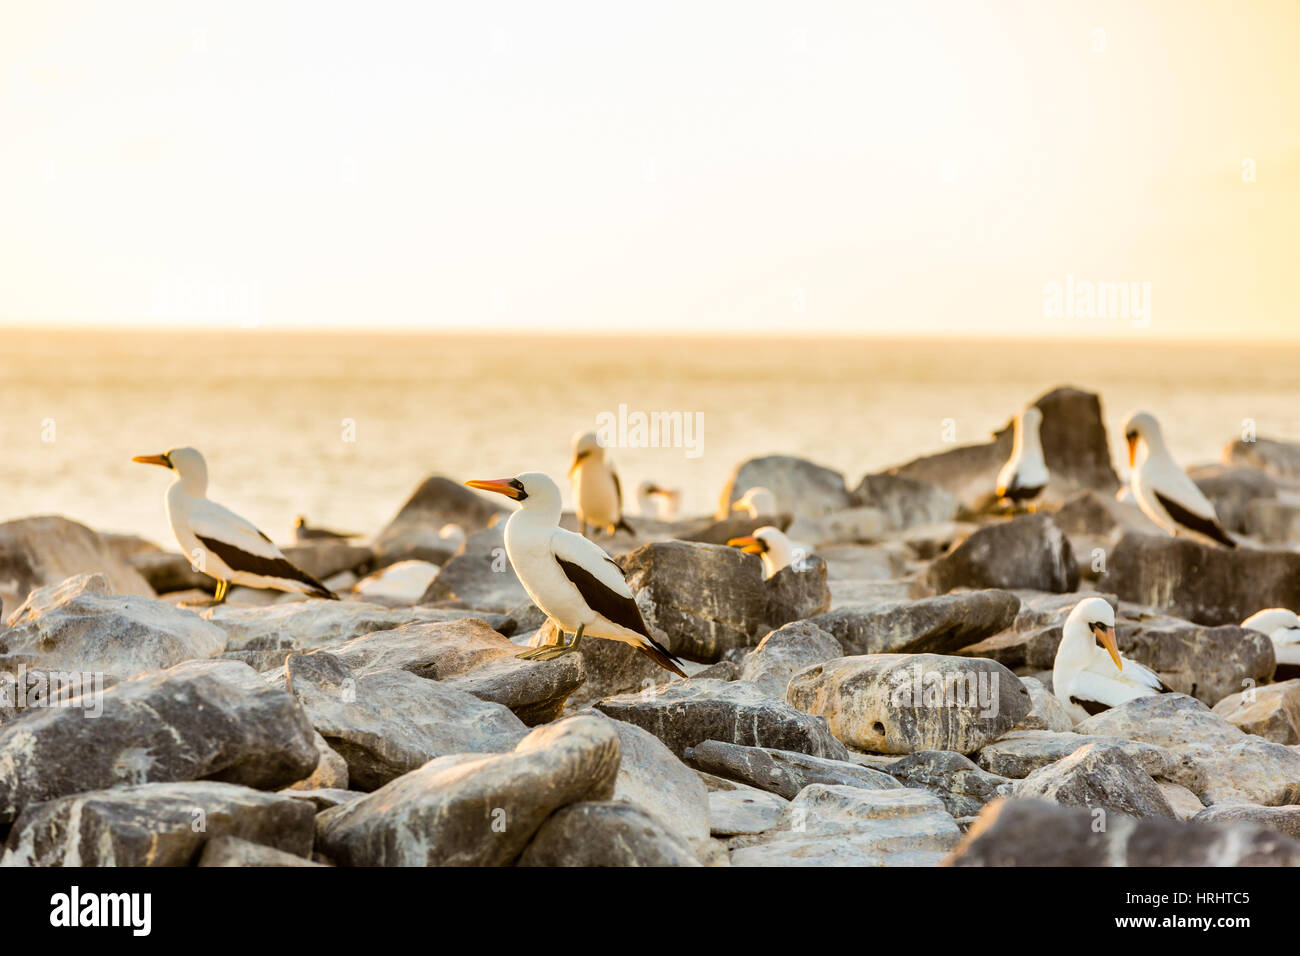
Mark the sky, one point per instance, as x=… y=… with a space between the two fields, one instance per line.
x=945 y=168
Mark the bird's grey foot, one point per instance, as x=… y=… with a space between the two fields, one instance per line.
x=548 y=652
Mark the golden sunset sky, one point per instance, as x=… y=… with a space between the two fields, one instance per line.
x=857 y=167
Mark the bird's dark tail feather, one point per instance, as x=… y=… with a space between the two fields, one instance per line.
x=661 y=656
x=317 y=589
x=624 y=526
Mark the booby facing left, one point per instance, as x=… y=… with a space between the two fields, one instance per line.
x=597 y=493
x=1024 y=476
x=1162 y=489
x=756 y=502
x=570 y=579
x=1088 y=679
x=773 y=547
x=218 y=542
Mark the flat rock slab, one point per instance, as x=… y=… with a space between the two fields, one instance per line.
x=81 y=625
x=1038 y=833
x=205 y=719
x=939 y=625
x=745 y=810
x=1271 y=711
x=471 y=810
x=781 y=771
x=155 y=824
x=1030 y=552
x=902 y=703
x=683 y=714
x=606 y=833
x=1283 y=819
x=849 y=826
x=232 y=851
x=963 y=787
x=1020 y=753
x=390 y=722
x=1098 y=777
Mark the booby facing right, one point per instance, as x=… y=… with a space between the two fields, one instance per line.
x=1162 y=489
x=1088 y=679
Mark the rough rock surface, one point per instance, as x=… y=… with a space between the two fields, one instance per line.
x=413 y=532
x=1283 y=819
x=233 y=851
x=800 y=487
x=1231 y=490
x=906 y=502
x=1028 y=552
x=471 y=810
x=1099 y=777
x=938 y=625
x=962 y=786
x=35 y=552
x=1046 y=712
x=80 y=625
x=781 y=771
x=1271 y=711
x=1020 y=753
x=902 y=703
x=683 y=714
x=744 y=810
x=784 y=652
x=480 y=575
x=606 y=833
x=1281 y=459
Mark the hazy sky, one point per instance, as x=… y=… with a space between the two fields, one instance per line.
x=923 y=167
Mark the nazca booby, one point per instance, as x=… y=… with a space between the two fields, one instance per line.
x=304 y=532
x=218 y=542
x=1024 y=476
x=1088 y=679
x=756 y=502
x=570 y=579
x=773 y=547
x=1283 y=628
x=1162 y=489
x=657 y=502
x=597 y=494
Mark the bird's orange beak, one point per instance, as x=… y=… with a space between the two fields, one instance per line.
x=500 y=486
x=1132 y=450
x=153 y=460
x=749 y=544
x=1107 y=637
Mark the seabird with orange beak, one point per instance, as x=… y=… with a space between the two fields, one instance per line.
x=597 y=493
x=570 y=579
x=1088 y=679
x=1162 y=489
x=772 y=546
x=218 y=542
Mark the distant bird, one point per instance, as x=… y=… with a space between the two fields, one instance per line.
x=1283 y=627
x=773 y=547
x=756 y=502
x=596 y=490
x=218 y=542
x=302 y=533
x=1088 y=679
x=1024 y=476
x=572 y=580
x=656 y=502
x=1162 y=489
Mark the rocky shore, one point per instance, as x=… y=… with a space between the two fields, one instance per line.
x=885 y=702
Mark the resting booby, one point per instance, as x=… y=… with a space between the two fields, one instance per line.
x=657 y=502
x=1024 y=475
x=302 y=532
x=218 y=542
x=1283 y=627
x=1162 y=489
x=773 y=547
x=597 y=493
x=1087 y=679
x=756 y=502
x=572 y=580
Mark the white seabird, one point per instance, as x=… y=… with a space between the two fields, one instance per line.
x=1024 y=476
x=657 y=502
x=1088 y=679
x=217 y=541
x=572 y=580
x=597 y=494
x=773 y=547
x=756 y=502
x=1283 y=628
x=1162 y=489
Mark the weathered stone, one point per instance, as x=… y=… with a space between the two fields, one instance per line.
x=1271 y=711
x=1281 y=459
x=1166 y=720
x=413 y=532
x=389 y=722
x=1207 y=663
x=154 y=825
x=902 y=703
x=708 y=599
x=906 y=502
x=1038 y=833
x=685 y=713
x=606 y=834
x=962 y=786
x=840 y=527
x=929 y=541
x=784 y=652
x=938 y=625
x=1098 y=777
x=1182 y=801
x=480 y=575
x=35 y=552
x=1231 y=490
x=232 y=851
x=325 y=797
x=1020 y=753
x=1274 y=521
x=608 y=667
x=205 y=719
x=1209 y=585
x=468 y=810
x=167 y=571
x=1026 y=552
x=331 y=771
x=781 y=771
x=80 y=625
x=398 y=585
x=1046 y=712
x=849 y=826
x=1283 y=819
x=326 y=559
x=800 y=487
x=745 y=810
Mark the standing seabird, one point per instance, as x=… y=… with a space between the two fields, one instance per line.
x=1087 y=679
x=1162 y=489
x=572 y=580
x=656 y=502
x=218 y=542
x=1024 y=475
x=773 y=547
x=596 y=490
x=756 y=502
x=1283 y=628
x=302 y=532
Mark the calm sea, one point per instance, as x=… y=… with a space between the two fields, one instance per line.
x=342 y=427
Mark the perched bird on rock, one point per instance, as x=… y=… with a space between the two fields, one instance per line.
x=657 y=502
x=1024 y=476
x=218 y=542
x=305 y=534
x=572 y=580
x=597 y=494
x=1283 y=628
x=772 y=546
x=756 y=502
x=1162 y=489
x=1088 y=679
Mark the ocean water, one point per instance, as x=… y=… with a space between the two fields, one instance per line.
x=342 y=427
